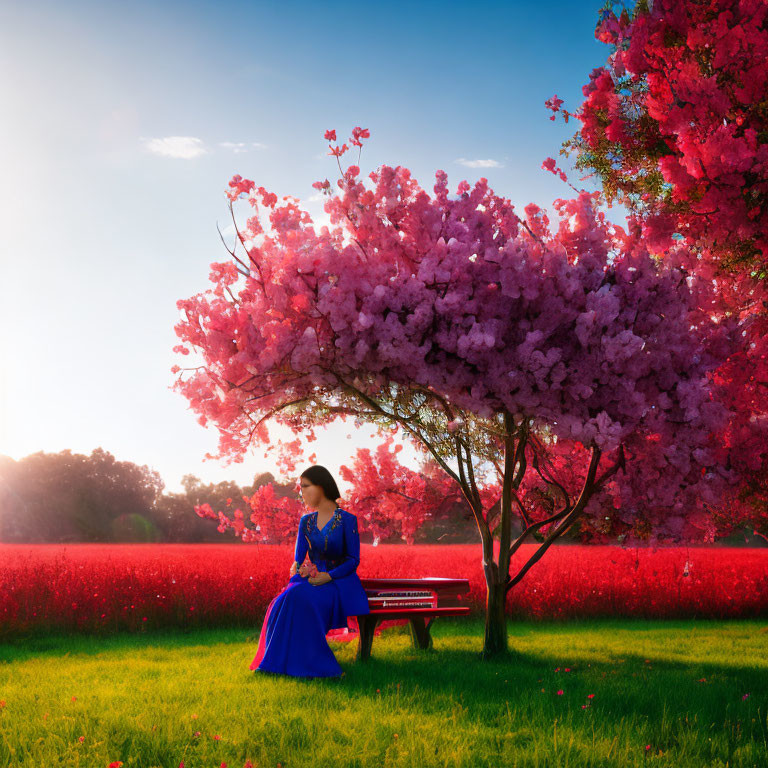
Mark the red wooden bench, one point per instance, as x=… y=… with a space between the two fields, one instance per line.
x=419 y=600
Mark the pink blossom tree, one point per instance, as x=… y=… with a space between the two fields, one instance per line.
x=487 y=339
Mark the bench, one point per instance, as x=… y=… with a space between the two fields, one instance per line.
x=419 y=600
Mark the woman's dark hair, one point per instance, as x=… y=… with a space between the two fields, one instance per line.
x=318 y=475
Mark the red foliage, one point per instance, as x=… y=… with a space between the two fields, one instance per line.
x=388 y=498
x=101 y=589
x=675 y=123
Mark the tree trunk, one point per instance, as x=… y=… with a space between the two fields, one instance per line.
x=495 y=643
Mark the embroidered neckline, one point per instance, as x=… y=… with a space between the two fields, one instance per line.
x=315 y=515
x=335 y=520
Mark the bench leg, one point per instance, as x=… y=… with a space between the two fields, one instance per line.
x=420 y=635
x=367 y=626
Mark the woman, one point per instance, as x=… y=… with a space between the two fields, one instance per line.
x=292 y=640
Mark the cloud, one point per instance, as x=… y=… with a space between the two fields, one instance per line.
x=184 y=147
x=241 y=146
x=188 y=147
x=479 y=163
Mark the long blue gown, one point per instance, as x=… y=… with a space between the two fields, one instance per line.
x=292 y=640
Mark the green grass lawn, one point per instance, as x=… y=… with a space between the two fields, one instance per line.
x=677 y=686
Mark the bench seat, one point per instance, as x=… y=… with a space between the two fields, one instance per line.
x=420 y=601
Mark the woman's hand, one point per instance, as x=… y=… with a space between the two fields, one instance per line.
x=321 y=578
x=305 y=570
x=294 y=569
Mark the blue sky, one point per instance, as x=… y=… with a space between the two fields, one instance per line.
x=122 y=124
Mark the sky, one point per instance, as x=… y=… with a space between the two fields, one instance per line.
x=122 y=124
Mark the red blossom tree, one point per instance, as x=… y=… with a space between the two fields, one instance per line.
x=675 y=126
x=484 y=337
x=391 y=498
x=388 y=498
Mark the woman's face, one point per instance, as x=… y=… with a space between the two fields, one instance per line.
x=312 y=494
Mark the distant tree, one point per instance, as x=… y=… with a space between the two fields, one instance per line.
x=134 y=527
x=73 y=497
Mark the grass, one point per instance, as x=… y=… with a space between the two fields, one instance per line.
x=141 y=698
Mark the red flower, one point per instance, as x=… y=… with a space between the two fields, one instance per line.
x=357 y=134
x=336 y=152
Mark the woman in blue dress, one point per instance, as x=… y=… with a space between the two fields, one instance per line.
x=292 y=640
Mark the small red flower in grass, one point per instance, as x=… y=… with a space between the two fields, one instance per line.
x=194 y=717
x=81 y=739
x=74 y=698
x=216 y=737
x=567 y=669
x=181 y=764
x=223 y=765
x=585 y=706
x=745 y=697
x=116 y=764
x=197 y=733
x=247 y=764
x=560 y=692
x=591 y=696
x=2 y=703
x=647 y=747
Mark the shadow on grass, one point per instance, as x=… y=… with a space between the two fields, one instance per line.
x=674 y=703
x=26 y=646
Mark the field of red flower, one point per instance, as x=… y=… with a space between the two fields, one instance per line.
x=95 y=588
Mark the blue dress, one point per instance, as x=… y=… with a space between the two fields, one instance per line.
x=292 y=640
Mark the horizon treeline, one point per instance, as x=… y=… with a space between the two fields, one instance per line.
x=70 y=497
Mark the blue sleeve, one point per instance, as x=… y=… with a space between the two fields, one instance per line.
x=351 y=547
x=300 y=552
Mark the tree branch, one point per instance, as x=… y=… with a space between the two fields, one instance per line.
x=570 y=518
x=551 y=480
x=245 y=247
